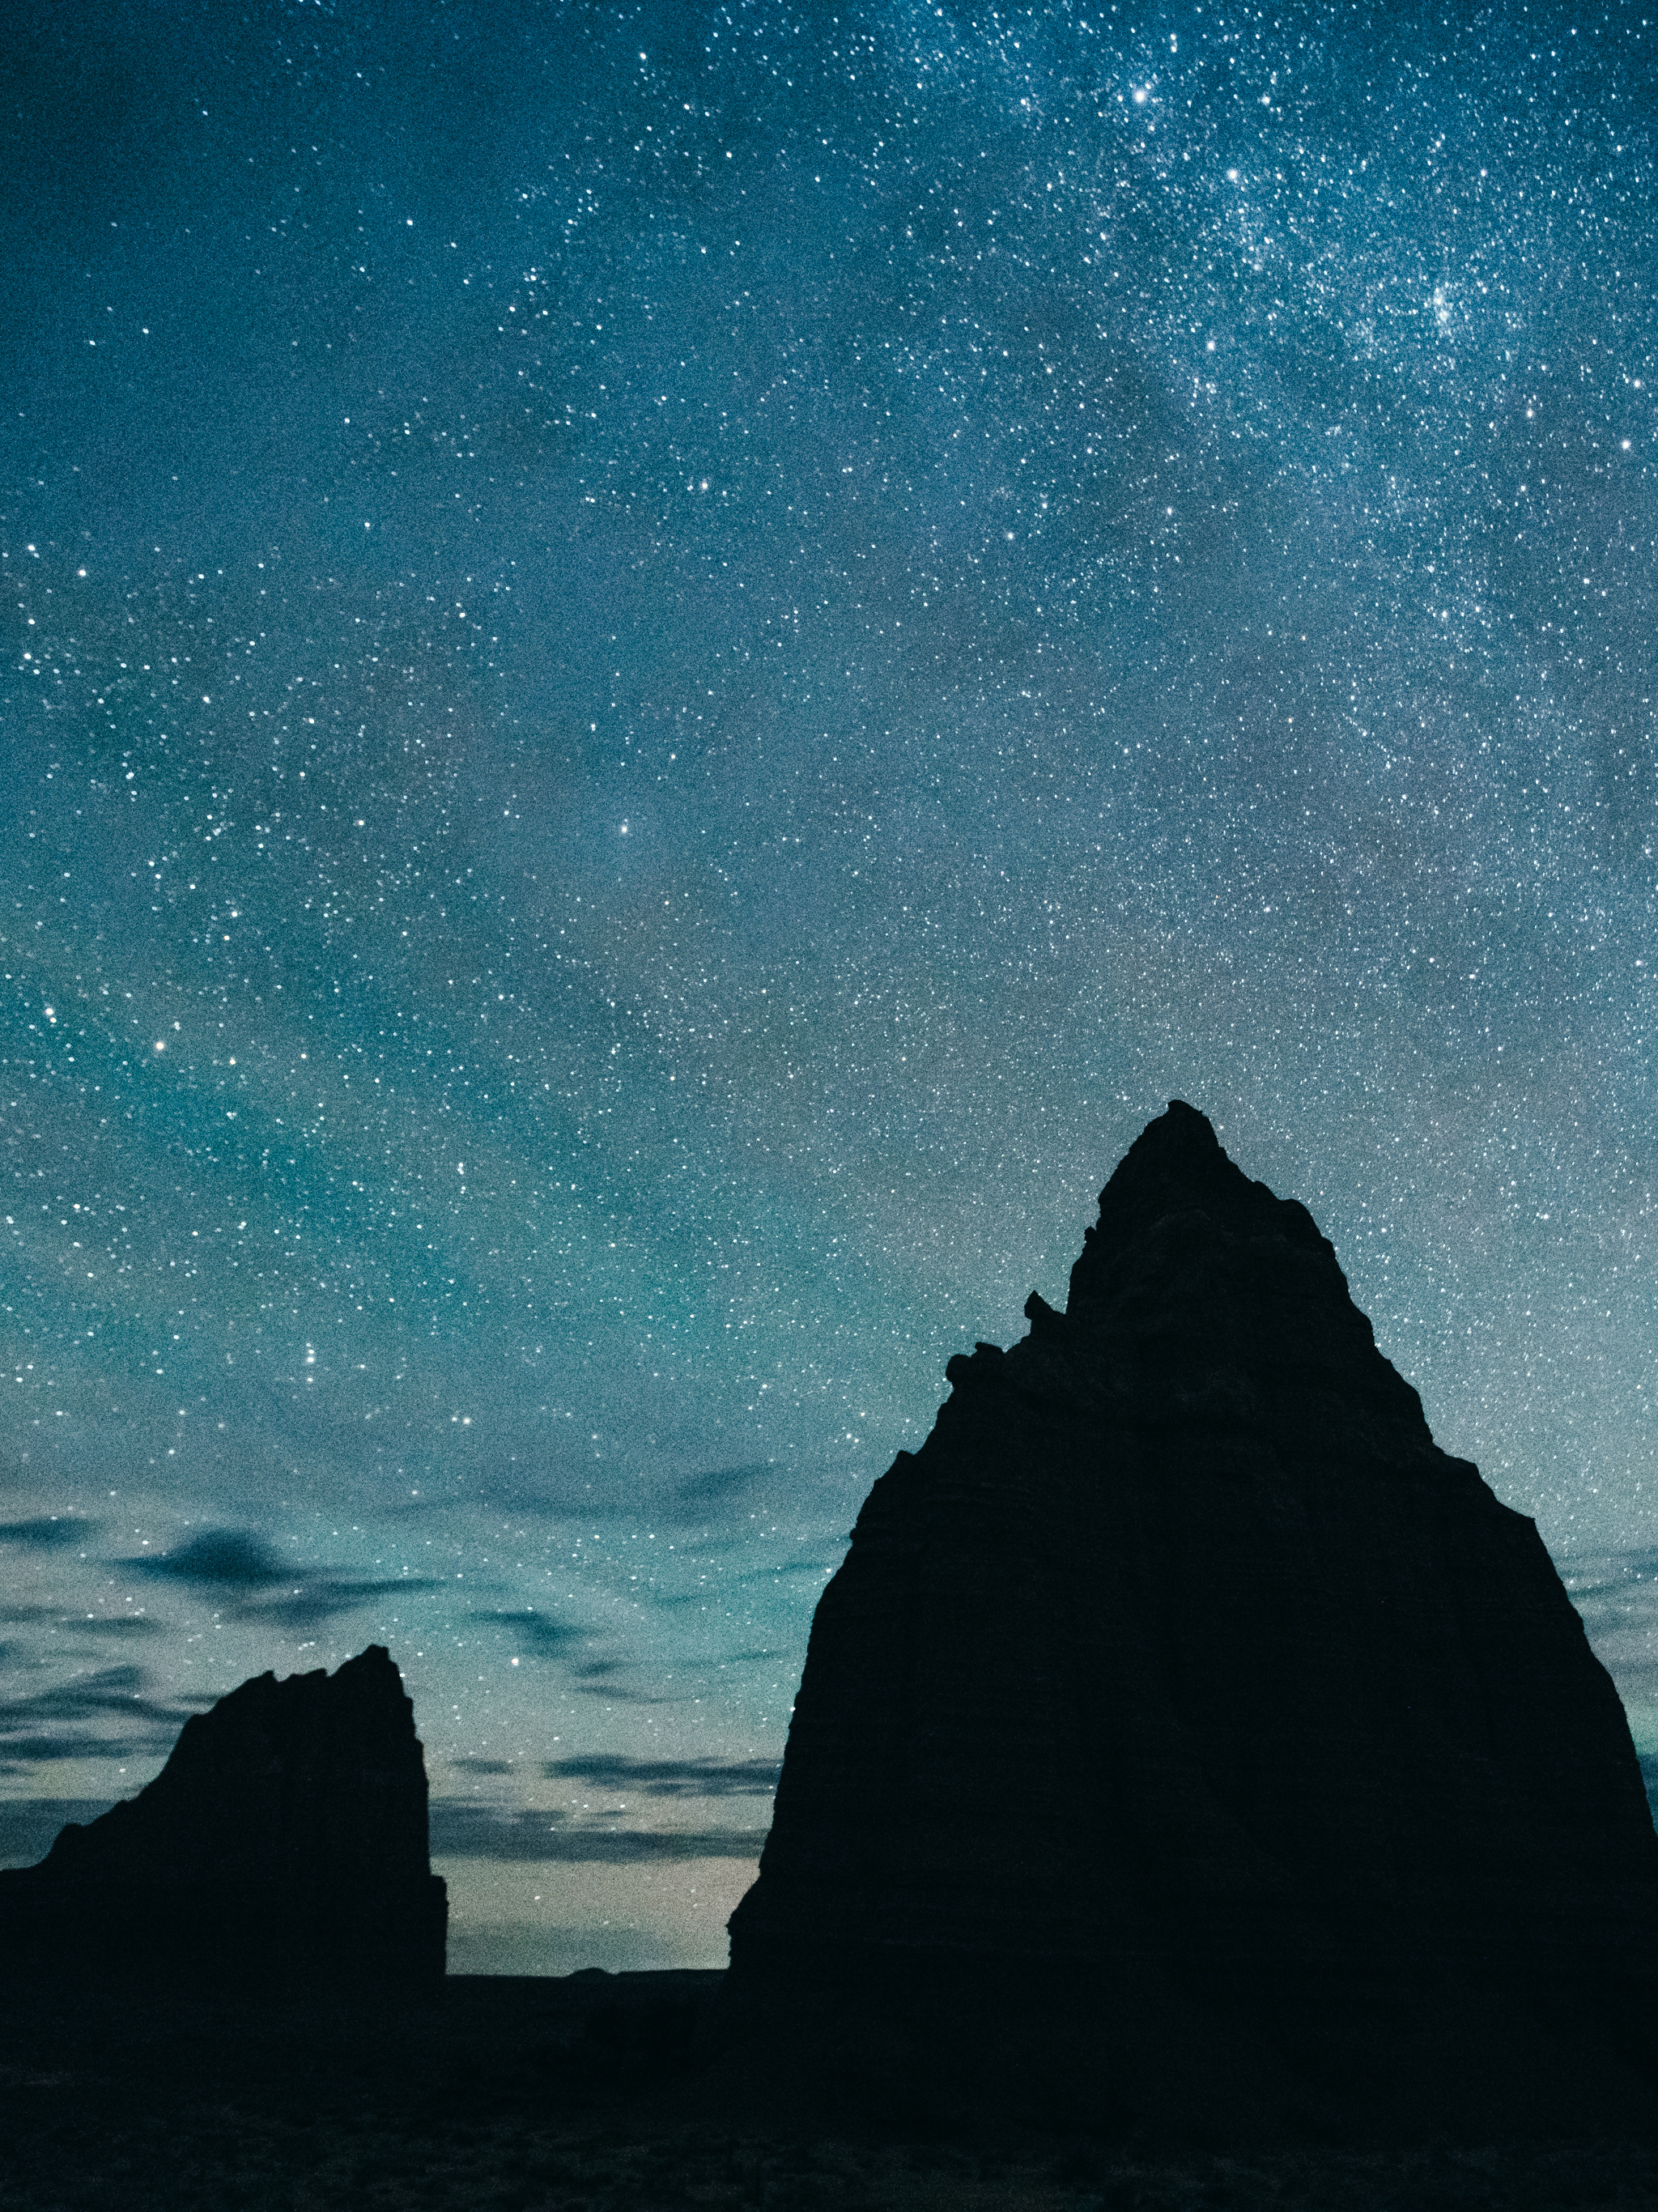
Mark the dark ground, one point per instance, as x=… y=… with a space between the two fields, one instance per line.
x=604 y=2091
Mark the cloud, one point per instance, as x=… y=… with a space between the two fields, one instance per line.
x=1599 y=1574
x=320 y=1597
x=60 y=1723
x=791 y=1571
x=123 y=1627
x=46 y=1532
x=483 y=1765
x=21 y=1753
x=116 y=1689
x=672 y=1777
x=720 y=1481
x=534 y=1630
x=598 y=1680
x=220 y=1558
x=463 y=1830
x=716 y=1487
x=1616 y=1595
x=237 y=1564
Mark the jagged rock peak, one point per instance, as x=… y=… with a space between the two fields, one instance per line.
x=1201 y=1296
x=1177 y=1165
x=1179 y=1697
x=314 y=1772
x=286 y=1833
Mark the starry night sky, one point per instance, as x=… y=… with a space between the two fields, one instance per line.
x=664 y=667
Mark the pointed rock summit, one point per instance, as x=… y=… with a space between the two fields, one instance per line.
x=285 y=1837
x=1185 y=1728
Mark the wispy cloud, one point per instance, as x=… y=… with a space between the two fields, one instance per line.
x=717 y=1486
x=1616 y=1595
x=1606 y=1573
x=817 y=1571
x=121 y=1627
x=71 y=1720
x=671 y=1777
x=48 y=1531
x=219 y=1559
x=245 y=1570
x=535 y=1631
x=462 y=1829
x=117 y=1625
x=316 y=1602
x=600 y=1681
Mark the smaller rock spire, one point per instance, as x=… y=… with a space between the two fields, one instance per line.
x=286 y=1838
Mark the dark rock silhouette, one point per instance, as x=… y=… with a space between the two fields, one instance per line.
x=1186 y=1729
x=286 y=1838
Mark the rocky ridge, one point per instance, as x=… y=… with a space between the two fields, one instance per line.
x=1183 y=1706
x=285 y=1837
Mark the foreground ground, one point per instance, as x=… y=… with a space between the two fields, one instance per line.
x=596 y=2091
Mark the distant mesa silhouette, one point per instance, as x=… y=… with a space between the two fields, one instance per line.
x=1186 y=1735
x=284 y=1839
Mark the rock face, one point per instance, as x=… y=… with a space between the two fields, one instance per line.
x=1183 y=1717
x=285 y=1837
